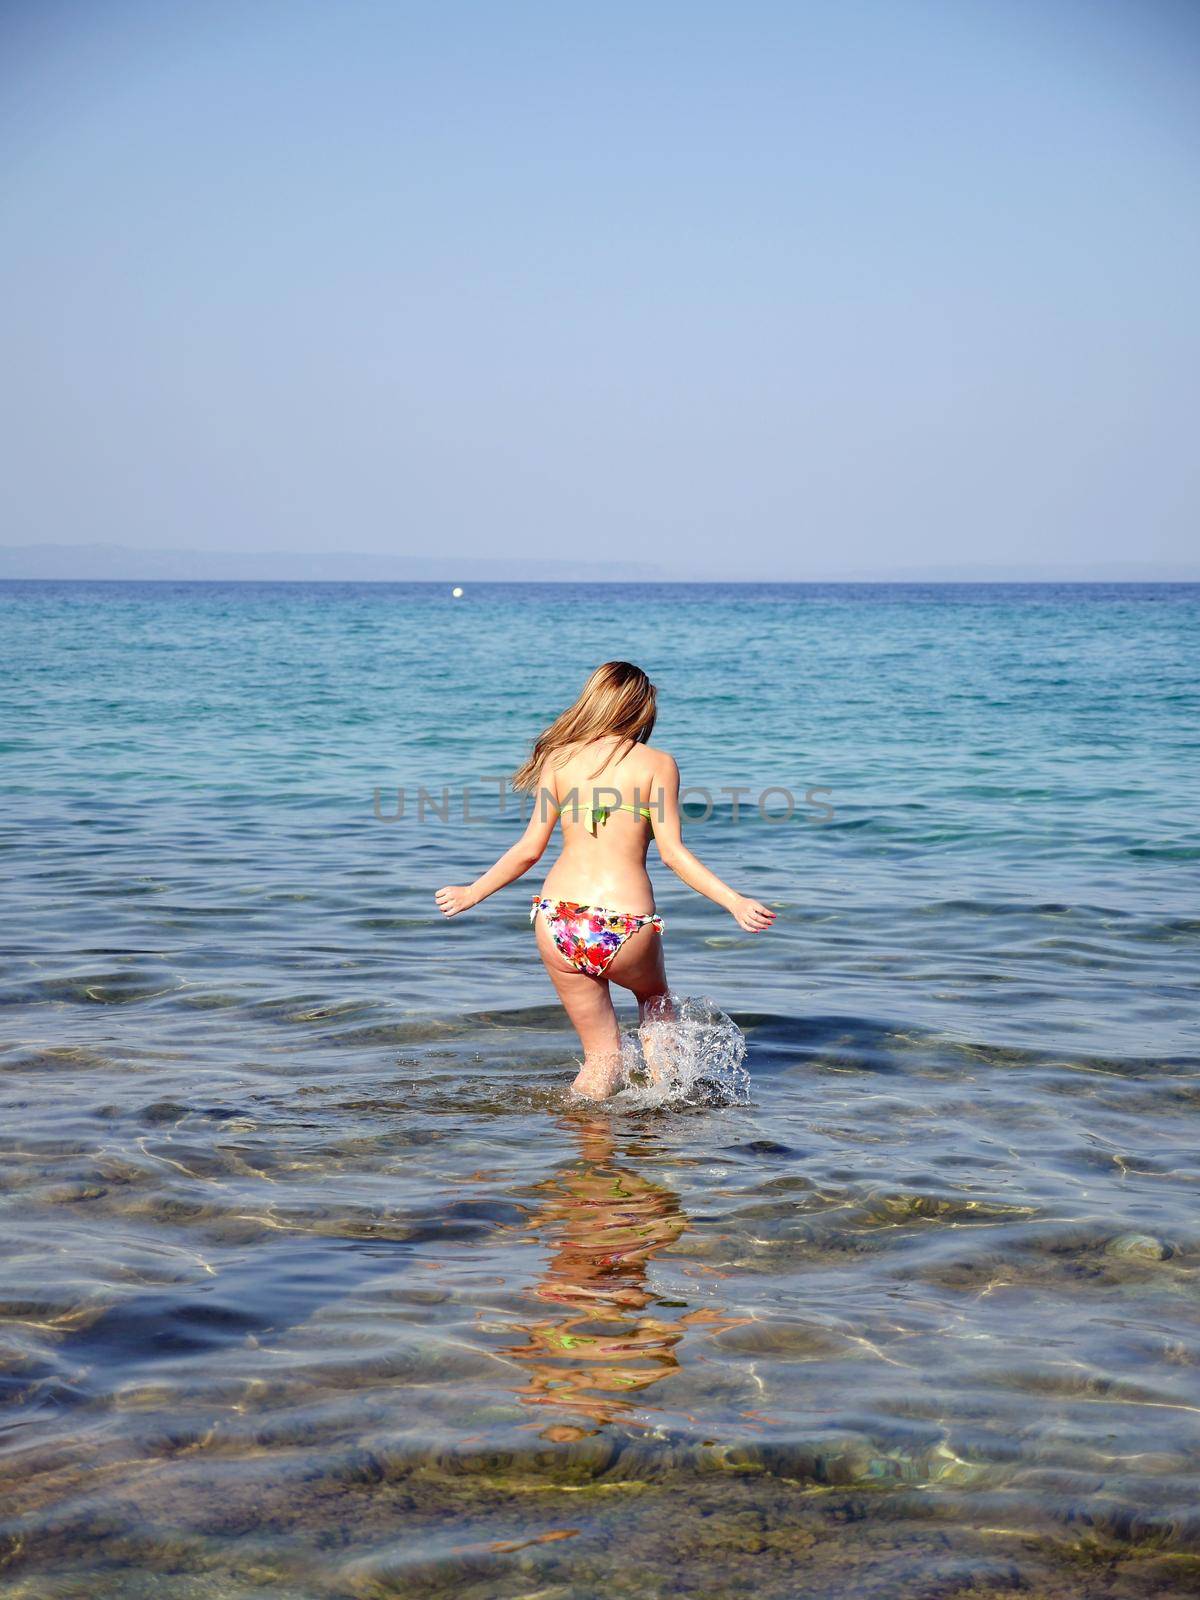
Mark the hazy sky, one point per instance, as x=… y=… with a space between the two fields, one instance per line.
x=789 y=289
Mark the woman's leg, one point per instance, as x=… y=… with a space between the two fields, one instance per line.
x=639 y=966
x=588 y=1003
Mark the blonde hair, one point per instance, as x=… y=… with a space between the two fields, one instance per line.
x=618 y=698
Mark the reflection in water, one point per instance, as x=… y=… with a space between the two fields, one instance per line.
x=604 y=1223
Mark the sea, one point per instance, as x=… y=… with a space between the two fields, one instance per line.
x=318 y=1283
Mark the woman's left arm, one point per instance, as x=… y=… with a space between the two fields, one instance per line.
x=513 y=864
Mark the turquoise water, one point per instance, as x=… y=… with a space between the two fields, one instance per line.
x=315 y=1281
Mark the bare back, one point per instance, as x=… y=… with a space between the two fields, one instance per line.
x=603 y=859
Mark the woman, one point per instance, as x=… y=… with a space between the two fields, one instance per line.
x=595 y=917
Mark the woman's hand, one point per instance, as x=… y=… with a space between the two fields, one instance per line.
x=453 y=899
x=751 y=914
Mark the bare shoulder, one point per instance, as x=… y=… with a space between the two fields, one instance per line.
x=662 y=763
x=547 y=779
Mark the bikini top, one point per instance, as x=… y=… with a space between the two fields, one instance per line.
x=601 y=814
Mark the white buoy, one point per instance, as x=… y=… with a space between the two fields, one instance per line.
x=457 y=593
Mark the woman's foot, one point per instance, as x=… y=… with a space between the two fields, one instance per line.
x=599 y=1080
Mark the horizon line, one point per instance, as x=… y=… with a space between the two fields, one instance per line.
x=639 y=583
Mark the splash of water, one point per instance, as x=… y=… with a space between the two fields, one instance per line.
x=686 y=1052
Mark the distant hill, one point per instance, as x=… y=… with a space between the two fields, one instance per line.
x=126 y=563
x=1031 y=572
x=123 y=562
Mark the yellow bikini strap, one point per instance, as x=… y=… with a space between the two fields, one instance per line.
x=601 y=814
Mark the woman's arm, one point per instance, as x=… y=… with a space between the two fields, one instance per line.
x=749 y=914
x=515 y=862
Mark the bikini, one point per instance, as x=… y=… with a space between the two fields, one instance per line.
x=590 y=936
x=601 y=814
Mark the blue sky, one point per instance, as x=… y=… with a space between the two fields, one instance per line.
x=777 y=290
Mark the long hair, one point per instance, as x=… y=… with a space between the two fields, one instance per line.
x=618 y=698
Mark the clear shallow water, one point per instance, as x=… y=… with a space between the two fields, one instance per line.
x=315 y=1282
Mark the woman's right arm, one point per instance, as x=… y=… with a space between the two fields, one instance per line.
x=516 y=860
x=664 y=806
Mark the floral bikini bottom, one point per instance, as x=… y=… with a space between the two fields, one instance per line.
x=589 y=936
